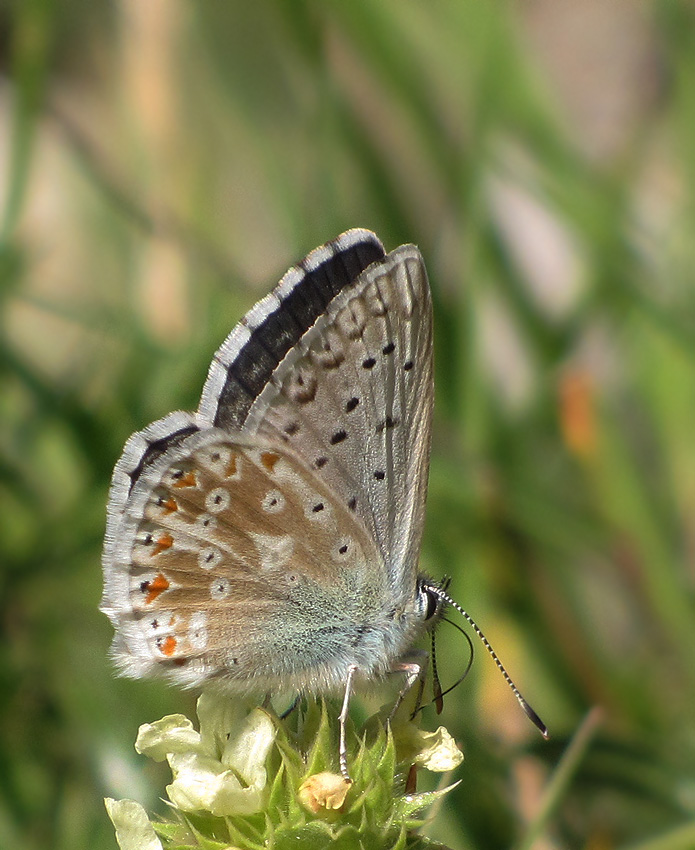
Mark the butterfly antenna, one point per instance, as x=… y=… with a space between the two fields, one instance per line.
x=530 y=713
x=436 y=684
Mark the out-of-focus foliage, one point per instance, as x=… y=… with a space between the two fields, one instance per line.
x=163 y=162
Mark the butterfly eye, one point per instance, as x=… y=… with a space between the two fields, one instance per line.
x=431 y=602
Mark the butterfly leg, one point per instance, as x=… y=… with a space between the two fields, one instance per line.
x=352 y=669
x=415 y=671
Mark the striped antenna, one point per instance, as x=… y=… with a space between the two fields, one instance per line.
x=530 y=713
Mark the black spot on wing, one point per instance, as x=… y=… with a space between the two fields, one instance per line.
x=386 y=424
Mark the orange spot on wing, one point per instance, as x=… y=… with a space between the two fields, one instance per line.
x=167 y=646
x=166 y=541
x=158 y=585
x=187 y=480
x=170 y=505
x=269 y=459
x=231 y=466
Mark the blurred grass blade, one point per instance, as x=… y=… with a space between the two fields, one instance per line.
x=556 y=790
x=681 y=838
x=32 y=41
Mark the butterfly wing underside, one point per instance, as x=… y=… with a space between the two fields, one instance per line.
x=263 y=540
x=354 y=398
x=234 y=561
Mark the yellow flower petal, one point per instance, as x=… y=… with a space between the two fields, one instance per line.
x=323 y=791
x=204 y=783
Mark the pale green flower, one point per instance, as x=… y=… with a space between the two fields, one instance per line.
x=220 y=769
x=438 y=751
x=133 y=828
x=172 y=734
x=435 y=751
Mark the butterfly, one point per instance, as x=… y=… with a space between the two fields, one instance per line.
x=270 y=541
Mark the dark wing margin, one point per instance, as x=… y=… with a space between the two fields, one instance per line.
x=245 y=362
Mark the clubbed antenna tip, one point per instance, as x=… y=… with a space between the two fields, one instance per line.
x=534 y=718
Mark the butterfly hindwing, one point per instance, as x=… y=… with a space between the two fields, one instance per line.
x=223 y=539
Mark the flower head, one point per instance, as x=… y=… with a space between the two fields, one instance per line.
x=246 y=780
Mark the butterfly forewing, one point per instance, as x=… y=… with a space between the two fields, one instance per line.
x=354 y=398
x=246 y=361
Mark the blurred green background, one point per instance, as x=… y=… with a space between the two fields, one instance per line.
x=164 y=162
